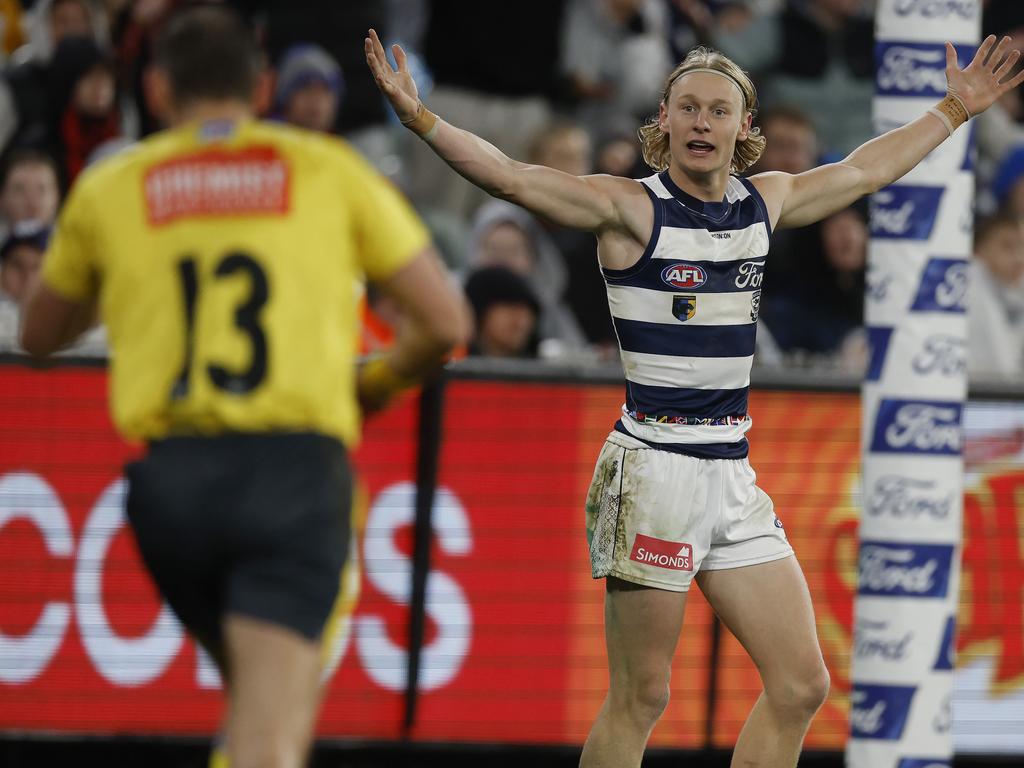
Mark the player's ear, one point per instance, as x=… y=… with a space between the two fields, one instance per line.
x=663 y=118
x=159 y=97
x=745 y=126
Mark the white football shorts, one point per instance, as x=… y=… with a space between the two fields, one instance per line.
x=656 y=517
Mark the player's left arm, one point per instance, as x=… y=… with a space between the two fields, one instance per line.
x=50 y=321
x=801 y=199
x=62 y=304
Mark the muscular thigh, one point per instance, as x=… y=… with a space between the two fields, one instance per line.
x=768 y=608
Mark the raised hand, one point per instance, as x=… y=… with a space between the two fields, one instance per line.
x=396 y=84
x=983 y=81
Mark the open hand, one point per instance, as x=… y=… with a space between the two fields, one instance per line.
x=397 y=85
x=982 y=81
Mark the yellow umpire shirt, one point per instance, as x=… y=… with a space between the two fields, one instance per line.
x=227 y=259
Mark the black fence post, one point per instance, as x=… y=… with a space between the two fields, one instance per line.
x=428 y=450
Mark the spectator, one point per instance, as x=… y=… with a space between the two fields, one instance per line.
x=84 y=109
x=505 y=311
x=309 y=88
x=21 y=256
x=24 y=91
x=29 y=190
x=792 y=142
x=1008 y=184
x=507 y=236
x=817 y=55
x=614 y=54
x=792 y=147
x=823 y=304
x=996 y=299
x=566 y=146
x=496 y=86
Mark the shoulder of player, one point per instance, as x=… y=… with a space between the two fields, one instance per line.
x=773 y=186
x=319 y=146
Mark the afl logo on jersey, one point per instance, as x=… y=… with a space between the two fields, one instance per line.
x=684 y=276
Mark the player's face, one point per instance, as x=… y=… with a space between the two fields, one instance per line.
x=704 y=117
x=30 y=194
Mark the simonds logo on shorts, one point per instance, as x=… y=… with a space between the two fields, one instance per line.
x=924 y=427
x=880 y=711
x=904 y=570
x=674 y=555
x=905 y=212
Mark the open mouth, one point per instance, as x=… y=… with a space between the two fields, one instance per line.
x=700 y=147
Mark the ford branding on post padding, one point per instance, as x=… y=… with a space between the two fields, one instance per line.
x=898 y=569
x=917 y=426
x=880 y=711
x=915 y=69
x=935 y=9
x=905 y=212
x=943 y=286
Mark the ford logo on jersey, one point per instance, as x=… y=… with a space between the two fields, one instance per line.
x=923 y=762
x=879 y=711
x=904 y=570
x=684 y=275
x=943 y=287
x=914 y=69
x=936 y=9
x=908 y=426
x=906 y=212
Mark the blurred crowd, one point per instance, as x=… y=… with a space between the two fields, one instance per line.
x=563 y=83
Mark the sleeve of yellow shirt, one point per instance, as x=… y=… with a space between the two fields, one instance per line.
x=388 y=231
x=69 y=267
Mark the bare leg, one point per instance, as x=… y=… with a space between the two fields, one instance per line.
x=641 y=631
x=272 y=694
x=768 y=608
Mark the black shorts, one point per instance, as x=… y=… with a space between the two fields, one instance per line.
x=251 y=524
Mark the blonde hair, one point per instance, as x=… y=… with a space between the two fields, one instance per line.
x=654 y=141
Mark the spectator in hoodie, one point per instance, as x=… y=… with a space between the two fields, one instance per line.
x=996 y=299
x=309 y=88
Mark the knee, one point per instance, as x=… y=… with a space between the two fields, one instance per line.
x=645 y=697
x=802 y=693
x=265 y=751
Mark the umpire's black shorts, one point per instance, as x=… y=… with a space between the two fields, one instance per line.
x=254 y=524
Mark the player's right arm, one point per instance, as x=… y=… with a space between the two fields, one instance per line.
x=593 y=203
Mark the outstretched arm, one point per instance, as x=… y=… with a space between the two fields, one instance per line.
x=797 y=200
x=581 y=202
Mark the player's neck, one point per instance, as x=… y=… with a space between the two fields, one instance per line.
x=208 y=110
x=709 y=187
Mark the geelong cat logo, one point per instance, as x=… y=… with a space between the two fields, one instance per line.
x=684 y=276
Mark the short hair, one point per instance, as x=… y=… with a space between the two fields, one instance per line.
x=26 y=156
x=208 y=52
x=986 y=227
x=654 y=141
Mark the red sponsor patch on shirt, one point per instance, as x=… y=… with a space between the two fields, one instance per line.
x=674 y=555
x=218 y=182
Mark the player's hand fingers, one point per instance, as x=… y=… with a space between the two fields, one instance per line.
x=951 y=65
x=984 y=49
x=378 y=49
x=1007 y=65
x=1013 y=83
x=997 y=54
x=400 y=58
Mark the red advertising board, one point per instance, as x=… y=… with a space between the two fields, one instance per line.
x=514 y=648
